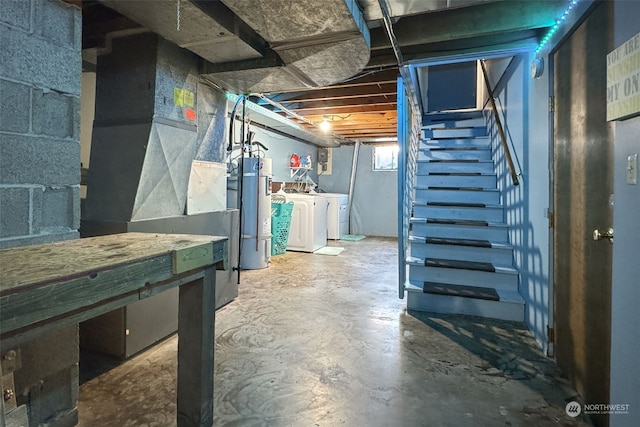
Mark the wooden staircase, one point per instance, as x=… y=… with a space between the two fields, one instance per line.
x=460 y=259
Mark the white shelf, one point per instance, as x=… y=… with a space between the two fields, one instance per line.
x=301 y=173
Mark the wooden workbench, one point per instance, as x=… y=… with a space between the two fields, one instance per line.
x=43 y=287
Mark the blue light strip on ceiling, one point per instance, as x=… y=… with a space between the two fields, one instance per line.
x=555 y=27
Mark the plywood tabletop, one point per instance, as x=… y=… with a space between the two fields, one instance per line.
x=31 y=265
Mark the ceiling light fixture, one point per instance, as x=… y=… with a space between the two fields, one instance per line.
x=325 y=126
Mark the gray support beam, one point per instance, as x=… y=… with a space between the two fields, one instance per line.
x=224 y=16
x=472 y=21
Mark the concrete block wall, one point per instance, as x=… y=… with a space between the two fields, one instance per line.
x=40 y=80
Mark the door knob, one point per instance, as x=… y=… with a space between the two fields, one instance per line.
x=599 y=235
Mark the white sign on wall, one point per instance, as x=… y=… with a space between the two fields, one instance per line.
x=623 y=80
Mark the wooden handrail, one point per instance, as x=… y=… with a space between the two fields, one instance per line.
x=503 y=138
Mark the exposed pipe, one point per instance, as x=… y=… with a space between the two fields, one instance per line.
x=232 y=122
x=298 y=116
x=352 y=179
x=258 y=204
x=404 y=70
x=240 y=179
x=388 y=25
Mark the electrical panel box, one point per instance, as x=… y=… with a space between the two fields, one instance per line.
x=323 y=155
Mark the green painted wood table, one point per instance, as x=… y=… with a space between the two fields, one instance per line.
x=43 y=287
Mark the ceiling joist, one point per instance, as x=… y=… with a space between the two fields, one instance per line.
x=364 y=105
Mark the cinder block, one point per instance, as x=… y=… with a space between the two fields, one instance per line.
x=38 y=239
x=77 y=211
x=50 y=401
x=56 y=114
x=15 y=108
x=48 y=379
x=39 y=61
x=60 y=208
x=17 y=13
x=47 y=355
x=57 y=21
x=14 y=211
x=39 y=160
x=36 y=209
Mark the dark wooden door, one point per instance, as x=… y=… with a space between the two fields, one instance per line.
x=583 y=183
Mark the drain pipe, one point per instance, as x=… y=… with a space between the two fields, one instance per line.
x=352 y=179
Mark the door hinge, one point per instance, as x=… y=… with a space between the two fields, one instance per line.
x=552 y=219
x=552 y=104
x=551 y=335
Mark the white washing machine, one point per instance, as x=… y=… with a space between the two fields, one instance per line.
x=308 y=230
x=337 y=215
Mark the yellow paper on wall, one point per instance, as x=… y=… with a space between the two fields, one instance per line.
x=178 y=97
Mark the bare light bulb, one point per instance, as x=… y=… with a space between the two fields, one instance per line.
x=325 y=126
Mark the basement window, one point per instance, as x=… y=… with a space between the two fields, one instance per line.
x=385 y=157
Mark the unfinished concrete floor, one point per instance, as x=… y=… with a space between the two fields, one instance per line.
x=320 y=340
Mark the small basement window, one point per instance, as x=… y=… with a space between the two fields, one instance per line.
x=385 y=157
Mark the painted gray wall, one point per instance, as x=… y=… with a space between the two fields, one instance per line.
x=338 y=180
x=526 y=122
x=280 y=150
x=625 y=293
x=374 y=210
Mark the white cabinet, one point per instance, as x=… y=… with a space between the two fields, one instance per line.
x=337 y=215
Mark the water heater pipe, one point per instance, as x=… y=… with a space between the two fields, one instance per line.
x=240 y=179
x=352 y=180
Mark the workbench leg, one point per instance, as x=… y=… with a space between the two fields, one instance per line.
x=196 y=319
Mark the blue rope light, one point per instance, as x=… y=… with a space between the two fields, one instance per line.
x=555 y=27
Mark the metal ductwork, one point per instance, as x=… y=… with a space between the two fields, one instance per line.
x=262 y=46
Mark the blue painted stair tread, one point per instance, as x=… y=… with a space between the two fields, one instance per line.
x=456 y=148
x=457 y=222
x=458 y=242
x=461 y=291
x=455 y=173
x=453 y=161
x=456 y=188
x=457 y=204
x=352 y=237
x=462 y=265
x=439 y=117
x=457 y=233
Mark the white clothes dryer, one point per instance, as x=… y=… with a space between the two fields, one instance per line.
x=337 y=215
x=308 y=229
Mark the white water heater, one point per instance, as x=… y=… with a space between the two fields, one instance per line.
x=255 y=222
